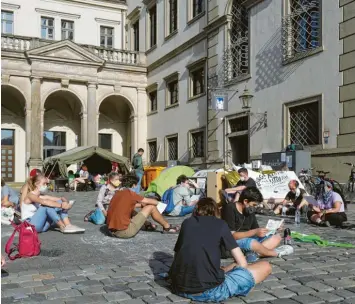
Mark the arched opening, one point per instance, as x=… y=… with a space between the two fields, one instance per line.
x=115 y=125
x=13 y=134
x=62 y=123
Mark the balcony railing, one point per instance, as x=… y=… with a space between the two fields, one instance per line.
x=115 y=56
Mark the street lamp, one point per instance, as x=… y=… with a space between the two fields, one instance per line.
x=246 y=99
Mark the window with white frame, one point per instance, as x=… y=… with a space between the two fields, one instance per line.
x=47 y=28
x=304 y=125
x=301 y=27
x=67 y=30
x=135 y=34
x=152 y=12
x=152 y=150
x=173 y=16
x=7 y=22
x=153 y=101
x=172 y=147
x=197 y=143
x=172 y=89
x=106 y=37
x=197 y=7
x=197 y=80
x=236 y=57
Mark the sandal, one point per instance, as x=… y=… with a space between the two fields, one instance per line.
x=148 y=226
x=86 y=217
x=171 y=230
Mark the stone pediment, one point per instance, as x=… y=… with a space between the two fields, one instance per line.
x=65 y=51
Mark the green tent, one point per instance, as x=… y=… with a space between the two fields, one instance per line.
x=168 y=177
x=87 y=155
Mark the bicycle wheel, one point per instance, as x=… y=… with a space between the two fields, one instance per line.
x=310 y=188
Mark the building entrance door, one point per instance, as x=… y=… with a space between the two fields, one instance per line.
x=8 y=155
x=240 y=149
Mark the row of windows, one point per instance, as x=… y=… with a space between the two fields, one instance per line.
x=196 y=88
x=196 y=9
x=196 y=146
x=48 y=29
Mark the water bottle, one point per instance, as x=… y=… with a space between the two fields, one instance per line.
x=287 y=236
x=297 y=217
x=284 y=209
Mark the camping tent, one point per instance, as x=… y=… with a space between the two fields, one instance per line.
x=81 y=154
x=168 y=177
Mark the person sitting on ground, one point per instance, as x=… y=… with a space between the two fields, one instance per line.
x=9 y=197
x=330 y=209
x=119 y=214
x=106 y=193
x=293 y=200
x=196 y=271
x=45 y=211
x=244 y=226
x=244 y=182
x=83 y=177
x=182 y=195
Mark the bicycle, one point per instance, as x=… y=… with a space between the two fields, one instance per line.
x=306 y=178
x=351 y=181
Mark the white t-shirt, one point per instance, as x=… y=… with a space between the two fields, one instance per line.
x=27 y=211
x=84 y=174
x=337 y=198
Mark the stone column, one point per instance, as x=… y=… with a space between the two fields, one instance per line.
x=134 y=131
x=84 y=129
x=28 y=114
x=92 y=127
x=36 y=125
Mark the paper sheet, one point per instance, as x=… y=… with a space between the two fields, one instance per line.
x=161 y=207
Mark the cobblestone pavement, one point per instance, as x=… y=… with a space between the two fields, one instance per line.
x=94 y=268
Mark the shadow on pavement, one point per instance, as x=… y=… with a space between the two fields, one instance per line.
x=160 y=264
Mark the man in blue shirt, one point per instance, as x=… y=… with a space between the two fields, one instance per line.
x=9 y=197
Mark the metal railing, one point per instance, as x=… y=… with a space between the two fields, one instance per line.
x=116 y=56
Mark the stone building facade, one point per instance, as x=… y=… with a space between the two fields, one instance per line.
x=63 y=90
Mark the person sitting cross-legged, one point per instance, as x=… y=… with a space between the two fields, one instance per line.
x=330 y=208
x=196 y=271
x=245 y=229
x=182 y=194
x=123 y=221
x=293 y=200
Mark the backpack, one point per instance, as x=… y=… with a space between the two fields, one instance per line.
x=29 y=244
x=168 y=200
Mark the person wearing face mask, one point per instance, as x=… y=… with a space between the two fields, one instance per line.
x=182 y=195
x=45 y=212
x=242 y=222
x=98 y=216
x=244 y=182
x=330 y=209
x=294 y=199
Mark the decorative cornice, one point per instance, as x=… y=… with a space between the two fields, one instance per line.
x=250 y=3
x=56 y=13
x=134 y=14
x=100 y=20
x=215 y=25
x=196 y=62
x=152 y=87
x=10 y=6
x=171 y=77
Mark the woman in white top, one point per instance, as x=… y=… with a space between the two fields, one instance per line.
x=330 y=209
x=84 y=175
x=45 y=211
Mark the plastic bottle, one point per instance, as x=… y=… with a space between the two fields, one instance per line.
x=298 y=217
x=287 y=236
x=284 y=209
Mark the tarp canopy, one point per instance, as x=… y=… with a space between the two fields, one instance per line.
x=80 y=154
x=168 y=177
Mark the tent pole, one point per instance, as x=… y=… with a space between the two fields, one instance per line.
x=52 y=168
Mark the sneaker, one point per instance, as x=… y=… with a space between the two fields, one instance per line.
x=284 y=250
x=71 y=202
x=72 y=229
x=251 y=257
